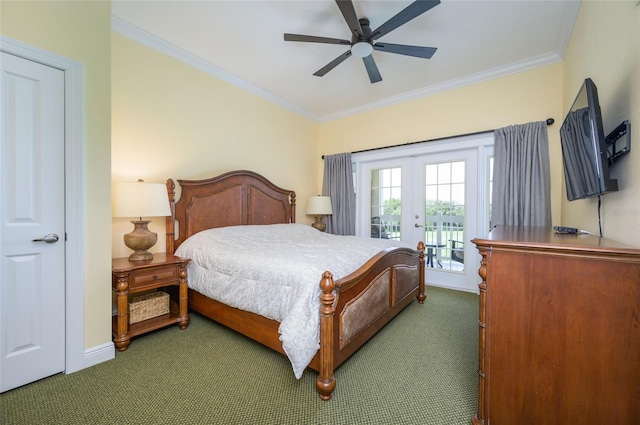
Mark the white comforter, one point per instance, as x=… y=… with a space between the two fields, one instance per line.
x=275 y=271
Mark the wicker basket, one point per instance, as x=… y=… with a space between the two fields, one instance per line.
x=148 y=306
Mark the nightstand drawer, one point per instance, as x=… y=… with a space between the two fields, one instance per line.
x=158 y=275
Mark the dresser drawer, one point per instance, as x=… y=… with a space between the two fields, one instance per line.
x=155 y=276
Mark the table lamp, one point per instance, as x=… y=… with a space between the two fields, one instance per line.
x=140 y=200
x=319 y=206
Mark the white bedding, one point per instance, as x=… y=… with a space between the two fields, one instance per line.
x=275 y=271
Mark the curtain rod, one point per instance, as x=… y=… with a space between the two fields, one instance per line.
x=549 y=121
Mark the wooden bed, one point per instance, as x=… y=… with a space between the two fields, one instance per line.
x=352 y=309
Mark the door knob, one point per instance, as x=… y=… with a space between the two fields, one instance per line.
x=48 y=238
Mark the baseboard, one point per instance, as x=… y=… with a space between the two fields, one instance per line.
x=454 y=288
x=98 y=354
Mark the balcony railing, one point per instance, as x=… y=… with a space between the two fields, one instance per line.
x=443 y=236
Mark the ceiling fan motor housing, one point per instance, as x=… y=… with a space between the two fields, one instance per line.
x=362 y=46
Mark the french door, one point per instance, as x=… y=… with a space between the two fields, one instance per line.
x=439 y=197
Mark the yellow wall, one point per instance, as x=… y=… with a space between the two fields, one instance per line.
x=81 y=31
x=605 y=46
x=516 y=99
x=171 y=120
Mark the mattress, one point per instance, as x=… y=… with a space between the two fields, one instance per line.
x=275 y=271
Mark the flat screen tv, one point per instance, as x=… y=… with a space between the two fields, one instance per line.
x=584 y=150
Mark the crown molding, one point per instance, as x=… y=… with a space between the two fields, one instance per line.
x=453 y=84
x=569 y=17
x=568 y=20
x=135 y=33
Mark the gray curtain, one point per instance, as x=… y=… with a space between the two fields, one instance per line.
x=521 y=178
x=338 y=184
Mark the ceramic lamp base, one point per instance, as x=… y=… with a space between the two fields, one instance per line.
x=140 y=240
x=319 y=224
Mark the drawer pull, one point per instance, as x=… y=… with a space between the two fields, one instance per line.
x=155 y=277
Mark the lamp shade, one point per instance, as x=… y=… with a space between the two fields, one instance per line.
x=140 y=199
x=319 y=205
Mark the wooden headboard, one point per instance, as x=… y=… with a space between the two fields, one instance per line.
x=231 y=199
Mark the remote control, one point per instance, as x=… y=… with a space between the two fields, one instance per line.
x=562 y=229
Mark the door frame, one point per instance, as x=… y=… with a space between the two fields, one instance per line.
x=74 y=170
x=481 y=142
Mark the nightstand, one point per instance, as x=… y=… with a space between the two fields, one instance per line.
x=165 y=271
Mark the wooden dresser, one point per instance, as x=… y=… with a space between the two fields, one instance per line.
x=559 y=339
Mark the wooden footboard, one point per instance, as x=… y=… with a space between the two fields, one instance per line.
x=352 y=310
x=364 y=302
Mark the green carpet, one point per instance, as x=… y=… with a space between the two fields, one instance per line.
x=420 y=369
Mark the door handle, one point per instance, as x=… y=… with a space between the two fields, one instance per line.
x=48 y=238
x=418 y=225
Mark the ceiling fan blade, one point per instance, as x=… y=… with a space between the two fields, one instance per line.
x=349 y=13
x=314 y=39
x=403 y=49
x=372 y=69
x=328 y=67
x=415 y=9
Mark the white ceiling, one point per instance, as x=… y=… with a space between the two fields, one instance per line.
x=242 y=42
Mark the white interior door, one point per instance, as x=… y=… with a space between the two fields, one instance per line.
x=32 y=233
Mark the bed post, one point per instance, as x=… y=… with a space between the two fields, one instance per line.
x=421 y=295
x=293 y=207
x=326 y=381
x=171 y=222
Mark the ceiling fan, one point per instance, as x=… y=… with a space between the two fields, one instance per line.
x=362 y=38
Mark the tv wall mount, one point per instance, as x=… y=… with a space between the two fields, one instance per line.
x=614 y=151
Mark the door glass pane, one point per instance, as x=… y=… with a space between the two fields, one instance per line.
x=385 y=210
x=444 y=215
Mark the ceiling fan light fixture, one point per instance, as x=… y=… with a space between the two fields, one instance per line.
x=361 y=49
